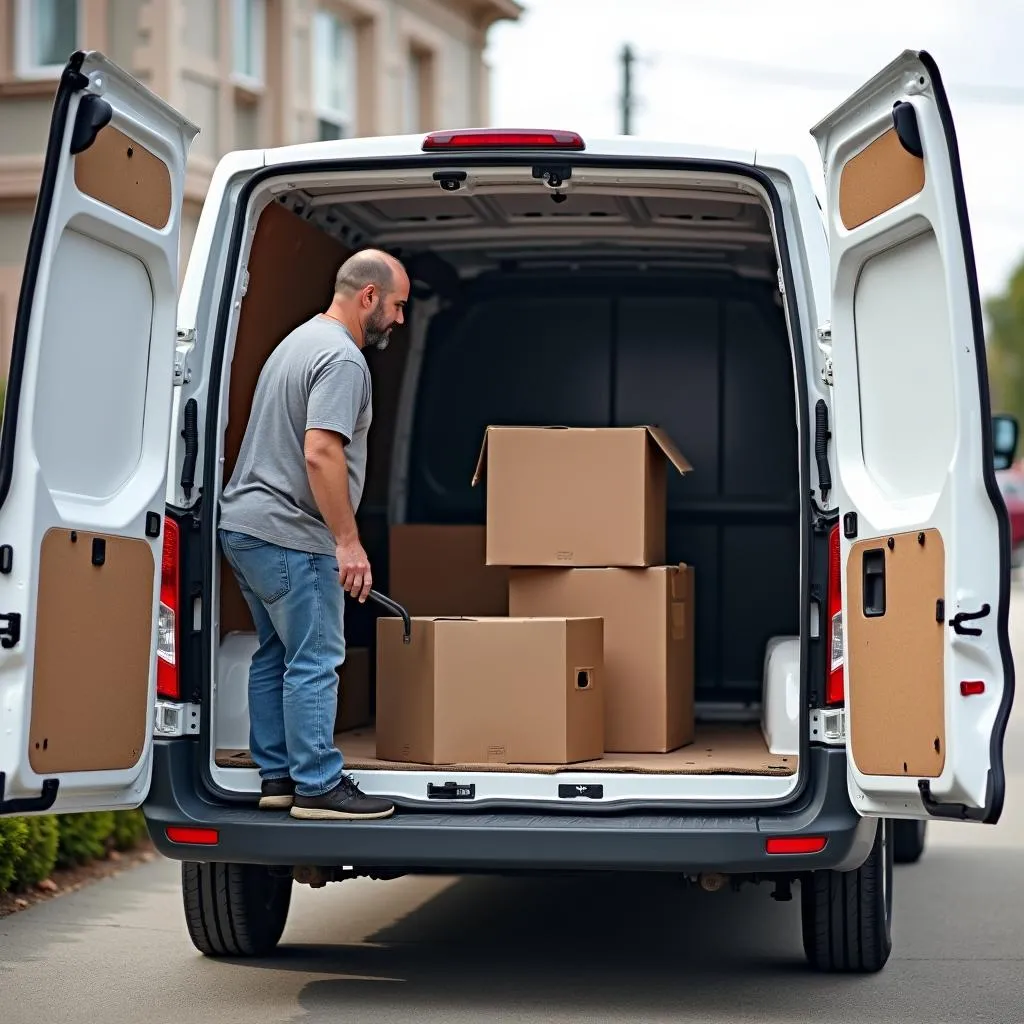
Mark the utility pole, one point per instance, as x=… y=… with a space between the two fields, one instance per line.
x=628 y=58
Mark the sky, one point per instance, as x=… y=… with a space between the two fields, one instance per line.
x=756 y=74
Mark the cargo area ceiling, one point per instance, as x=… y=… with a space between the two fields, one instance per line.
x=527 y=225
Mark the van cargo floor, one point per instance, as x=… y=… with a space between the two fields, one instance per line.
x=717 y=750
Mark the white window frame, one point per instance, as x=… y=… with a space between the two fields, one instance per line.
x=258 y=42
x=344 y=120
x=25 y=65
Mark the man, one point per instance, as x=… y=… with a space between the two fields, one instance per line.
x=288 y=531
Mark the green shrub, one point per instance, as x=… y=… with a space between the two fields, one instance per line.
x=13 y=835
x=39 y=856
x=129 y=829
x=83 y=837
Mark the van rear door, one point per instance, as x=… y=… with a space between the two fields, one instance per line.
x=925 y=535
x=84 y=448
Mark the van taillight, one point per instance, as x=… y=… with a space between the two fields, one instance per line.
x=835 y=685
x=168 y=683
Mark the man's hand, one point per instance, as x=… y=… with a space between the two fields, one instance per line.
x=354 y=569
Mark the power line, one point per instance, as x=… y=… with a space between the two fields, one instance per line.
x=809 y=78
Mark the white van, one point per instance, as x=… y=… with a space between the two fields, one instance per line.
x=825 y=376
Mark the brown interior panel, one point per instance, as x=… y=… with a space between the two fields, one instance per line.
x=120 y=172
x=291 y=277
x=879 y=177
x=93 y=652
x=895 y=662
x=717 y=750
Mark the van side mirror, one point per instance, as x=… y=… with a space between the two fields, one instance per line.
x=1004 y=440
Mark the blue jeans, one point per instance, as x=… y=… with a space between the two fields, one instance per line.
x=297 y=603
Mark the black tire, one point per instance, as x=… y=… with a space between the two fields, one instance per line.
x=908 y=838
x=236 y=910
x=847 y=915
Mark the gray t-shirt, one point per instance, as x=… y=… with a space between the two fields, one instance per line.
x=316 y=378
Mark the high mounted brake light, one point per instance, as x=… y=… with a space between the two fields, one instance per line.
x=512 y=138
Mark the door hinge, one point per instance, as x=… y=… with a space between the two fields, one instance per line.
x=824 y=333
x=182 y=370
x=10 y=629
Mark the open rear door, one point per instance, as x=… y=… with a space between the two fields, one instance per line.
x=84 y=449
x=925 y=535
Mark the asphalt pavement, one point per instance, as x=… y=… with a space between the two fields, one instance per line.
x=465 y=950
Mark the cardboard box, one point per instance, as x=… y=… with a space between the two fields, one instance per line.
x=442 y=570
x=576 y=497
x=648 y=645
x=490 y=691
x=353 y=690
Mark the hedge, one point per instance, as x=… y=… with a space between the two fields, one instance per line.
x=31 y=848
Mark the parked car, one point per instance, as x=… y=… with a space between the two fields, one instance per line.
x=826 y=376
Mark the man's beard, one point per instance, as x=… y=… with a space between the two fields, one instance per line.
x=377 y=330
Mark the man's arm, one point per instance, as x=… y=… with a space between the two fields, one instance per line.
x=327 y=470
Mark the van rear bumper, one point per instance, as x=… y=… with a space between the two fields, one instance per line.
x=467 y=842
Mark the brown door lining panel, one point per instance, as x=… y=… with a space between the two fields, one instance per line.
x=879 y=177
x=895 y=661
x=93 y=652
x=123 y=174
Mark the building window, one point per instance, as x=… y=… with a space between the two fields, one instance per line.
x=249 y=30
x=334 y=76
x=47 y=34
x=415 y=72
x=418 y=103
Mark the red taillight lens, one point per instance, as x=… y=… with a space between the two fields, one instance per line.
x=168 y=682
x=835 y=684
x=795 y=844
x=513 y=138
x=193 y=836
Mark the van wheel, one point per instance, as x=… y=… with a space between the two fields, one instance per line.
x=847 y=915
x=908 y=840
x=234 y=909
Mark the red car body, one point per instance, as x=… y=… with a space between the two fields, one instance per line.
x=1011 y=485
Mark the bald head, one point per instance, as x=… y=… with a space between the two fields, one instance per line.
x=368 y=267
x=371 y=290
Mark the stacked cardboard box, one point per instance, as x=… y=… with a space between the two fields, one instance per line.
x=587 y=646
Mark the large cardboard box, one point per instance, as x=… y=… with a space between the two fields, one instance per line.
x=648 y=645
x=576 y=496
x=442 y=570
x=353 y=690
x=490 y=691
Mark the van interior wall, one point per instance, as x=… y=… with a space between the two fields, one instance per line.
x=708 y=359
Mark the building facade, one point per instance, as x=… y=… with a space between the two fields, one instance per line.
x=250 y=73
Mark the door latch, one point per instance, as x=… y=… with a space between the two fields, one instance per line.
x=958 y=620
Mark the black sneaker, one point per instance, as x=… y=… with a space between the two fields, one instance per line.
x=276 y=794
x=346 y=802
